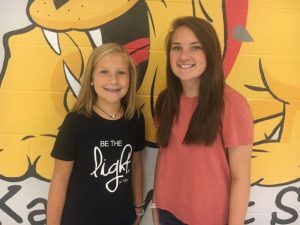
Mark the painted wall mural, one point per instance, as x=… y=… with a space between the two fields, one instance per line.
x=45 y=45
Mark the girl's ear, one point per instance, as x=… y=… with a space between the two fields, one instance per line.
x=92 y=83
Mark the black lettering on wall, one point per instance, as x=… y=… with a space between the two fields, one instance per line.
x=12 y=190
x=33 y=216
x=294 y=215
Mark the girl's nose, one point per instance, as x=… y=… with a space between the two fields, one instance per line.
x=184 y=54
x=113 y=77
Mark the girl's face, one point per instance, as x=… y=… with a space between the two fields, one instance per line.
x=187 y=58
x=111 y=78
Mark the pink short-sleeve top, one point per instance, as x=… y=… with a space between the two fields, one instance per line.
x=193 y=182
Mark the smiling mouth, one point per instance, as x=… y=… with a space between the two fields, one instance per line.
x=112 y=90
x=185 y=66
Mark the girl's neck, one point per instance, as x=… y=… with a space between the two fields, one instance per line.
x=110 y=111
x=190 y=88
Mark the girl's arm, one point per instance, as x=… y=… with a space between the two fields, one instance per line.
x=153 y=205
x=240 y=163
x=137 y=184
x=57 y=191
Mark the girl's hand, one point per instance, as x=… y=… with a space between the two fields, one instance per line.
x=137 y=220
x=155 y=216
x=139 y=213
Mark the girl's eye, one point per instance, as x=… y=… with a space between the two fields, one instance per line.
x=196 y=47
x=104 y=72
x=175 y=48
x=121 y=72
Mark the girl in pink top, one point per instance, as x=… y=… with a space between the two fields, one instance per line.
x=205 y=134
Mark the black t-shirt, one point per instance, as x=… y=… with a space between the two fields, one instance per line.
x=99 y=190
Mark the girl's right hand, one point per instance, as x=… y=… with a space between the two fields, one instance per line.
x=155 y=216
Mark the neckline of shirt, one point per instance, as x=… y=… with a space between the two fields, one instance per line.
x=105 y=119
x=184 y=97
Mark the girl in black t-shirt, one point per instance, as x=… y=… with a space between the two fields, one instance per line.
x=97 y=179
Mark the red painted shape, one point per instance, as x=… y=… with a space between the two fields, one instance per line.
x=139 y=49
x=236 y=14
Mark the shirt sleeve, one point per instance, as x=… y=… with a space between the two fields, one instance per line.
x=140 y=144
x=65 y=144
x=237 y=125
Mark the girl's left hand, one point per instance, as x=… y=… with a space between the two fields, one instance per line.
x=138 y=220
x=139 y=213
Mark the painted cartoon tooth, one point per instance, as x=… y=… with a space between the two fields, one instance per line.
x=74 y=84
x=96 y=36
x=240 y=33
x=52 y=39
x=276 y=135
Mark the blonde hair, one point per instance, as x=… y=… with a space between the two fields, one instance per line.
x=87 y=96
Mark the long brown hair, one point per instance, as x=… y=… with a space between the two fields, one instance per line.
x=206 y=119
x=88 y=96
